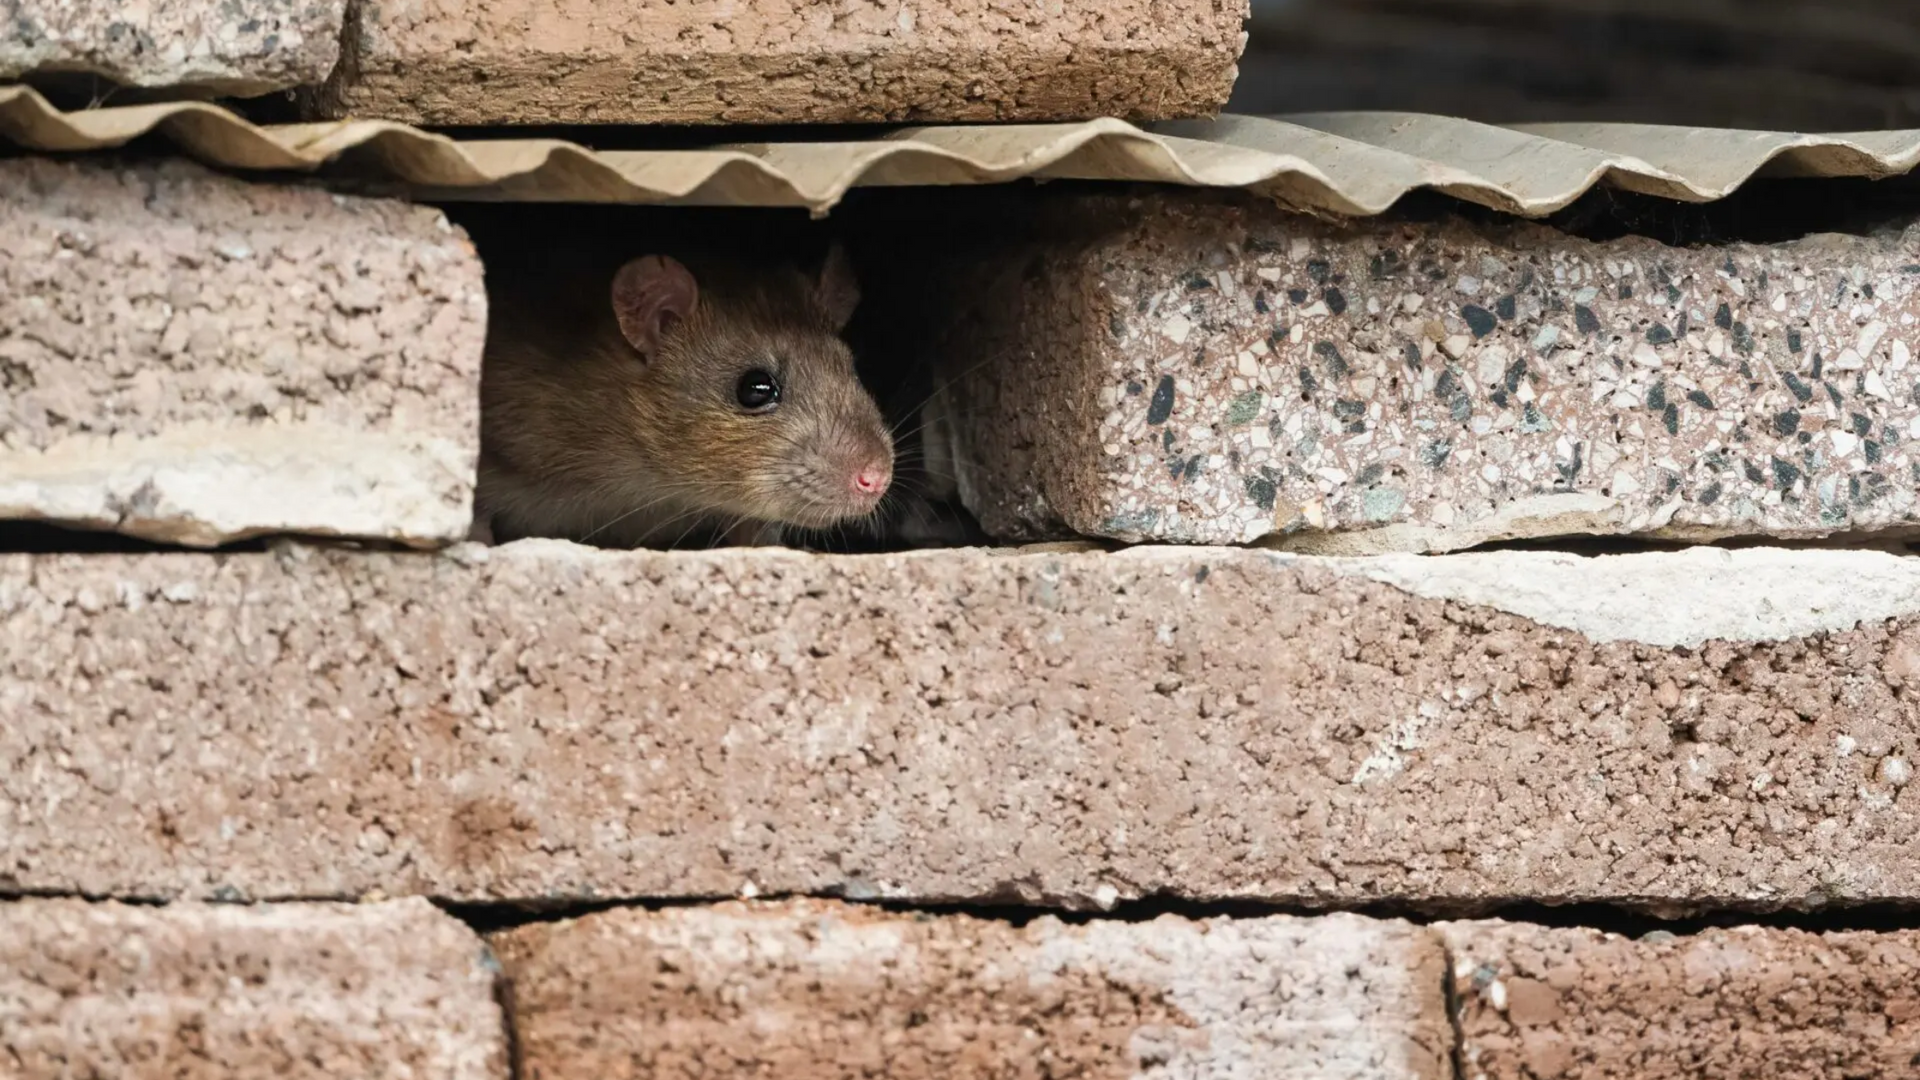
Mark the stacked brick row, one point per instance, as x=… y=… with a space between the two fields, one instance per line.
x=822 y=988
x=545 y=723
x=655 y=61
x=230 y=781
x=394 y=988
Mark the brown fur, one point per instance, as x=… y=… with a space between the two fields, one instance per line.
x=584 y=438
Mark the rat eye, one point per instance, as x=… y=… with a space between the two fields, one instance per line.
x=757 y=391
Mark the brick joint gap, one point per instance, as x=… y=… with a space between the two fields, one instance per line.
x=487 y=918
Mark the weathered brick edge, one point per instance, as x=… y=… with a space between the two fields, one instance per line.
x=547 y=722
x=194 y=359
x=296 y=991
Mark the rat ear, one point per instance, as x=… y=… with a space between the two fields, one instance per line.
x=650 y=295
x=835 y=290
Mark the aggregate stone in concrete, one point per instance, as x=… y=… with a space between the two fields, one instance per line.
x=1205 y=368
x=194 y=359
x=252 y=48
x=788 y=61
x=824 y=989
x=1579 y=1004
x=294 y=991
x=541 y=721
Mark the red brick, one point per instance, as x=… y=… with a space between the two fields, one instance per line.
x=1669 y=730
x=826 y=990
x=1578 y=1004
x=198 y=992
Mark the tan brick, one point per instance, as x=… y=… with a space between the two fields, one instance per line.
x=1574 y=1004
x=1720 y=727
x=198 y=992
x=230 y=48
x=1217 y=370
x=794 y=61
x=194 y=359
x=829 y=990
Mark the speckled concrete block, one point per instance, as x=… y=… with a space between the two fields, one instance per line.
x=787 y=61
x=1202 y=368
x=199 y=992
x=826 y=990
x=194 y=359
x=1578 y=1004
x=1704 y=728
x=228 y=48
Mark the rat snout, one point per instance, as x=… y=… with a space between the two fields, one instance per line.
x=867 y=469
x=871 y=479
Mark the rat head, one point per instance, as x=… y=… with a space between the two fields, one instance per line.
x=748 y=400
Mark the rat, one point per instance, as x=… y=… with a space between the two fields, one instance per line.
x=674 y=396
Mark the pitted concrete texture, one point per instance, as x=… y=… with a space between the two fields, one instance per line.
x=823 y=990
x=1578 y=1004
x=252 y=48
x=543 y=721
x=1200 y=367
x=194 y=359
x=291 y=991
x=789 y=61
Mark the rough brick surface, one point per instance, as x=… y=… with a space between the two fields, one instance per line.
x=792 y=61
x=1199 y=367
x=1578 y=1004
x=191 y=358
x=295 y=991
x=555 y=722
x=248 y=48
x=829 y=990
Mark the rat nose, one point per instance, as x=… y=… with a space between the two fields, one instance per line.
x=872 y=478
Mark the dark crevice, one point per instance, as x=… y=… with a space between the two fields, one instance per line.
x=1764 y=210
x=11 y=892
x=40 y=538
x=1607 y=918
x=327 y=99
x=1450 y=997
x=503 y=991
x=43 y=538
x=495 y=916
x=1901 y=542
x=1624 y=919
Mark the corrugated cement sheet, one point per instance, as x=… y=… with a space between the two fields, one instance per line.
x=1346 y=163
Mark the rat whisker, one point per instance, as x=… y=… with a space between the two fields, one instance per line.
x=690 y=512
x=944 y=381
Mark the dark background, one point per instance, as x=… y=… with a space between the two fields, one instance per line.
x=1838 y=65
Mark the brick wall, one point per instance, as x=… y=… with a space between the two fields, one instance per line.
x=1304 y=781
